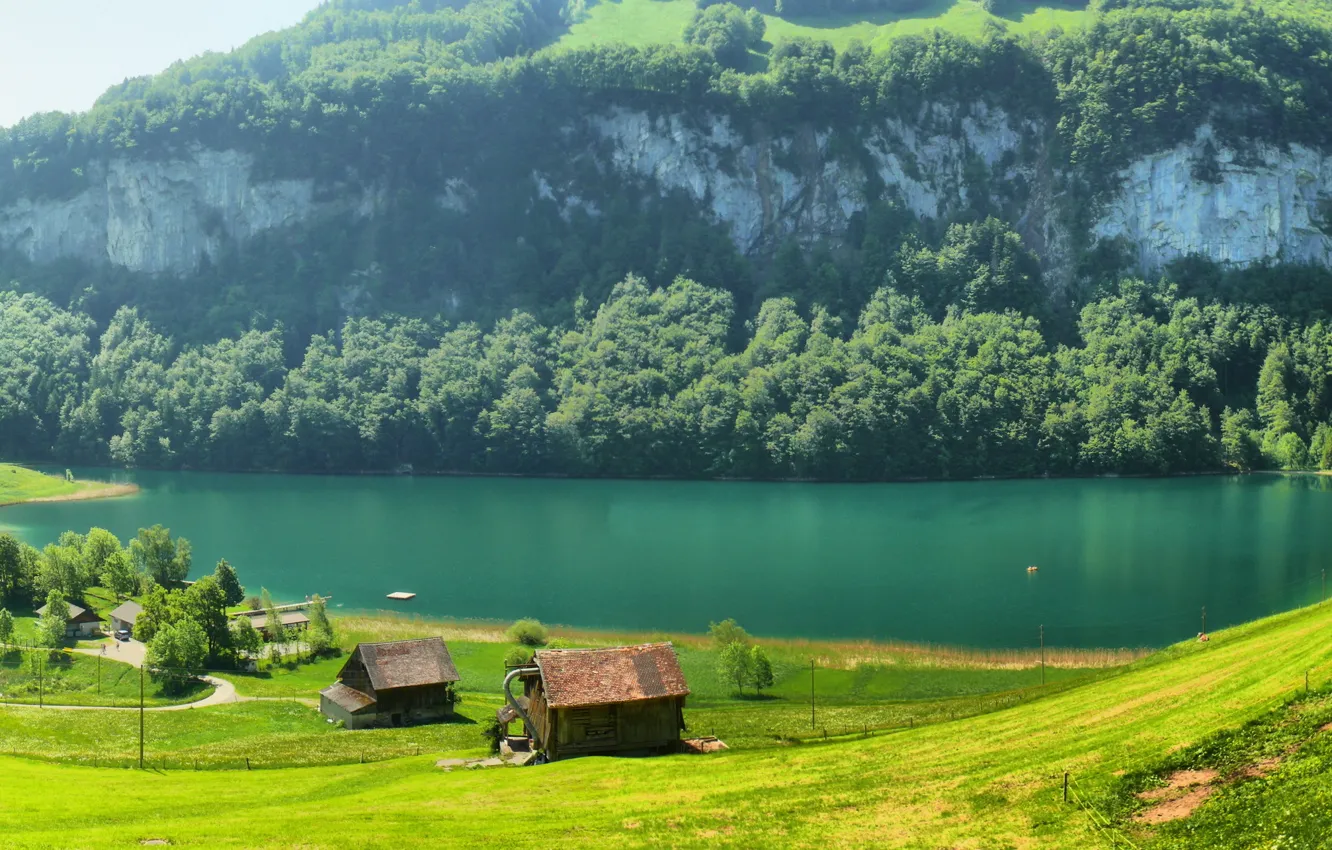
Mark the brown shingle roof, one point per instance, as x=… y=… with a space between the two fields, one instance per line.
x=76 y=614
x=407 y=663
x=600 y=676
x=259 y=619
x=349 y=698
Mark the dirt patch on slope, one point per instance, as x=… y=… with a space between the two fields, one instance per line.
x=1185 y=791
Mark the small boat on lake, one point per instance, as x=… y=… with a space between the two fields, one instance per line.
x=400 y=596
x=1032 y=569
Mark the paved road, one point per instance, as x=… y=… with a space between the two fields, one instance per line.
x=223 y=692
x=127 y=652
x=133 y=653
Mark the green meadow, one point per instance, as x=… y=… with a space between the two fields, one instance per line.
x=644 y=22
x=986 y=773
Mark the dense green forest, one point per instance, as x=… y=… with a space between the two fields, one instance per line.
x=653 y=383
x=640 y=341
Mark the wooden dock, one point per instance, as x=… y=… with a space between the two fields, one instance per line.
x=400 y=596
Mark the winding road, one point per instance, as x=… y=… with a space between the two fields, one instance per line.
x=224 y=692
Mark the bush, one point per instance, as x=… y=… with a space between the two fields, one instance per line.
x=528 y=633
x=517 y=657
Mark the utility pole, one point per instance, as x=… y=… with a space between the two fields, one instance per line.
x=41 y=662
x=99 y=675
x=1042 y=653
x=140 y=718
x=811 y=694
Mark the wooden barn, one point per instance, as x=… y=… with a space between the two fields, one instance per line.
x=626 y=700
x=392 y=684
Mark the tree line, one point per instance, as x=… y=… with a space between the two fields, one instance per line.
x=946 y=382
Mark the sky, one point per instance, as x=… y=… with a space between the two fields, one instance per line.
x=62 y=54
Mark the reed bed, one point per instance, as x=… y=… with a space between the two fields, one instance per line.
x=387 y=625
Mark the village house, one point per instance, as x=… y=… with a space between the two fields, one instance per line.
x=625 y=700
x=293 y=619
x=124 y=617
x=82 y=622
x=392 y=684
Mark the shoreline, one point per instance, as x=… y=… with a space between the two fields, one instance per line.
x=105 y=491
x=385 y=624
x=567 y=476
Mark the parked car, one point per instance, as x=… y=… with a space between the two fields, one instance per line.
x=123 y=634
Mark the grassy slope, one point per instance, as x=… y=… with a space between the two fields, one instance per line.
x=72 y=679
x=642 y=22
x=19 y=484
x=993 y=777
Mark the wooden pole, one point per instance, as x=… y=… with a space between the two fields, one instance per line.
x=1204 y=620
x=40 y=664
x=99 y=675
x=1042 y=653
x=1066 y=786
x=811 y=694
x=140 y=718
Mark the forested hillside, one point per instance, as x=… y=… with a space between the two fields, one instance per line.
x=447 y=251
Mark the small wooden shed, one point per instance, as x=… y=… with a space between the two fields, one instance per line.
x=392 y=684
x=627 y=699
x=82 y=622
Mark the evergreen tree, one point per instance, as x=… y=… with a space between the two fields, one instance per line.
x=232 y=590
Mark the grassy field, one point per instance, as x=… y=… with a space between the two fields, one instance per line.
x=643 y=22
x=986 y=781
x=75 y=679
x=19 y=484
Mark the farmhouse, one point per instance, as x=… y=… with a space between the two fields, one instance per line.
x=627 y=699
x=124 y=617
x=82 y=622
x=392 y=684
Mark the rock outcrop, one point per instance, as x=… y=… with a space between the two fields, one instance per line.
x=166 y=216
x=1233 y=207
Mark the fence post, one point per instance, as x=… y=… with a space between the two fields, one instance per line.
x=247 y=762
x=1066 y=786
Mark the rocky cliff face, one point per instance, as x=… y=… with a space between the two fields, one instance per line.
x=160 y=217
x=768 y=188
x=164 y=216
x=1236 y=208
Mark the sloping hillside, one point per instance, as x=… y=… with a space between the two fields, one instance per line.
x=987 y=781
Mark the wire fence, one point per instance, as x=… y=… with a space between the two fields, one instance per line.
x=1102 y=825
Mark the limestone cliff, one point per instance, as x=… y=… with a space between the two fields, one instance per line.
x=165 y=216
x=1234 y=207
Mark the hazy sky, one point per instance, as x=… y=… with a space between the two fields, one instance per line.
x=62 y=54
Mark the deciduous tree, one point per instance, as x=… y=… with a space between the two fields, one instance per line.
x=176 y=654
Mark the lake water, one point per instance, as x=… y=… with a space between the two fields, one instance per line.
x=1123 y=562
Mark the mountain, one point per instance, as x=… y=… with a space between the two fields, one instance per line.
x=457 y=163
